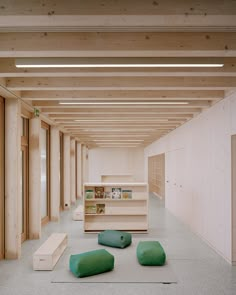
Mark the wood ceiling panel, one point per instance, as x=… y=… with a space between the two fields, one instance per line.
x=188 y=31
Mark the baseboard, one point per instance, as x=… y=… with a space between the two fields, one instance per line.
x=34 y=237
x=55 y=218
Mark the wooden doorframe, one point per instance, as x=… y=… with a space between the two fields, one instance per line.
x=156 y=174
x=46 y=219
x=25 y=184
x=25 y=116
x=2 y=181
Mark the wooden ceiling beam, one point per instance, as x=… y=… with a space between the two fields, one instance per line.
x=54 y=104
x=123 y=83
x=8 y=69
x=124 y=95
x=70 y=117
x=118 y=44
x=125 y=8
x=157 y=110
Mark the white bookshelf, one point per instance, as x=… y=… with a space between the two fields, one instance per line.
x=119 y=214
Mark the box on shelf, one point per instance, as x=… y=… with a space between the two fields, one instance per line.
x=100 y=208
x=116 y=192
x=99 y=192
x=126 y=194
x=89 y=194
x=90 y=209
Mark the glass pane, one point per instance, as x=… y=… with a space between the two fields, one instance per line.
x=43 y=139
x=22 y=189
x=22 y=126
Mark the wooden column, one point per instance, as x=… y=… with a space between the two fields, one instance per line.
x=55 y=173
x=84 y=163
x=72 y=171
x=34 y=179
x=66 y=171
x=79 y=171
x=12 y=179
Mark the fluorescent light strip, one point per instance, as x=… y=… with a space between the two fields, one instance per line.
x=118 y=130
x=41 y=64
x=135 y=140
x=119 y=146
x=126 y=103
x=118 y=120
x=120 y=66
x=109 y=62
x=119 y=135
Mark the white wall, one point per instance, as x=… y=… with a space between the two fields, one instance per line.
x=198 y=171
x=116 y=161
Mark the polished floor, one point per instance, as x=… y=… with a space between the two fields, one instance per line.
x=199 y=270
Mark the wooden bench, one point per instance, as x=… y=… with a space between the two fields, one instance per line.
x=47 y=255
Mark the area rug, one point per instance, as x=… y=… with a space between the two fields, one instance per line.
x=126 y=270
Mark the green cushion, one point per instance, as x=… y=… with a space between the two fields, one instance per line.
x=150 y=253
x=91 y=263
x=114 y=238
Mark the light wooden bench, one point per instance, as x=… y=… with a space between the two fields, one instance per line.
x=47 y=255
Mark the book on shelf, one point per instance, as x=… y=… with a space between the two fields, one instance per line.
x=116 y=193
x=90 y=209
x=107 y=195
x=100 y=208
x=89 y=194
x=126 y=194
x=99 y=192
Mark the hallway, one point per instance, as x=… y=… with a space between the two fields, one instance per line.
x=199 y=270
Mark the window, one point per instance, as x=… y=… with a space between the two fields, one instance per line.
x=45 y=198
x=24 y=183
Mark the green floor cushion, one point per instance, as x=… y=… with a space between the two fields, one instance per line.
x=150 y=253
x=114 y=238
x=91 y=263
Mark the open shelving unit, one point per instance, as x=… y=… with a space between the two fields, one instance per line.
x=129 y=214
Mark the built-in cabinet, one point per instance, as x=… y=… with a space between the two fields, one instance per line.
x=120 y=206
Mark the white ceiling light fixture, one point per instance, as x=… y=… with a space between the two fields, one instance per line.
x=119 y=135
x=118 y=130
x=118 y=146
x=118 y=120
x=103 y=140
x=126 y=103
x=121 y=62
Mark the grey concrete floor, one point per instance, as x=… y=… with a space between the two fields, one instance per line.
x=199 y=270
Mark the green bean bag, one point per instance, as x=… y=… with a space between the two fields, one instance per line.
x=91 y=263
x=114 y=238
x=150 y=253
